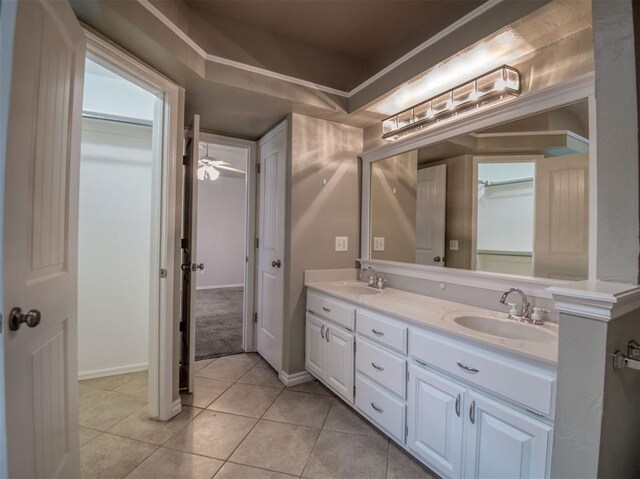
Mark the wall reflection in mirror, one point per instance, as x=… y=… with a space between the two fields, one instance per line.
x=508 y=199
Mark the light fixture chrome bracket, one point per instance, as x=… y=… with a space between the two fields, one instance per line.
x=629 y=360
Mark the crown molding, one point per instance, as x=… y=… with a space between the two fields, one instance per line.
x=488 y=5
x=593 y=299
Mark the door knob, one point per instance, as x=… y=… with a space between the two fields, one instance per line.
x=437 y=259
x=16 y=318
x=199 y=266
x=276 y=264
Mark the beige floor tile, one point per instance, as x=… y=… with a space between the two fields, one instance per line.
x=137 y=386
x=112 y=457
x=107 y=409
x=402 y=466
x=212 y=434
x=206 y=391
x=312 y=387
x=262 y=375
x=245 y=400
x=300 y=408
x=87 y=434
x=170 y=464
x=202 y=363
x=230 y=368
x=277 y=447
x=109 y=383
x=238 y=471
x=141 y=427
x=255 y=358
x=342 y=418
x=339 y=455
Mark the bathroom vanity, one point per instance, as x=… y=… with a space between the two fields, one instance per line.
x=468 y=392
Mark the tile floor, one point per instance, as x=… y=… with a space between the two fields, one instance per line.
x=241 y=422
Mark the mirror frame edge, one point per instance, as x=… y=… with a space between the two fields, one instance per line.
x=575 y=89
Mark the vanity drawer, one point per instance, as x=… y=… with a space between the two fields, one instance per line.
x=526 y=383
x=381 y=366
x=335 y=310
x=383 y=330
x=382 y=408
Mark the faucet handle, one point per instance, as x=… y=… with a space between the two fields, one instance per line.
x=513 y=309
x=381 y=283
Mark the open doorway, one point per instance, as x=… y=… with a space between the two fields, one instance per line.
x=224 y=282
x=125 y=245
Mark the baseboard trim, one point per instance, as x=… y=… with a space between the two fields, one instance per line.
x=295 y=378
x=222 y=286
x=101 y=373
x=176 y=408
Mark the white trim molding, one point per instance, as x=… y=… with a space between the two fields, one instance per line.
x=599 y=300
x=295 y=378
x=219 y=286
x=176 y=407
x=101 y=373
x=458 y=24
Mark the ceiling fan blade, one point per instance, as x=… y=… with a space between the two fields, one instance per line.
x=230 y=168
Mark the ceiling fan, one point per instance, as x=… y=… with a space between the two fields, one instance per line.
x=210 y=168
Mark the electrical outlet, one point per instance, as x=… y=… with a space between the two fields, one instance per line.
x=342 y=243
x=378 y=243
x=453 y=245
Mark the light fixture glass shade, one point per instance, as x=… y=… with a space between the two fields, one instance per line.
x=485 y=90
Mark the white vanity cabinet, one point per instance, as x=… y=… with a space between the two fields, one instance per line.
x=463 y=408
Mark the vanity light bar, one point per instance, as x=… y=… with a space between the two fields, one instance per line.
x=487 y=89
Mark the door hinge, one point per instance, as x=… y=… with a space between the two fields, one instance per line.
x=184 y=244
x=258 y=168
x=354 y=346
x=257 y=242
x=406 y=430
x=185 y=160
x=407 y=374
x=181 y=328
x=354 y=392
x=163 y=273
x=255 y=317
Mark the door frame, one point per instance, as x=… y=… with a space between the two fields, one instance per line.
x=161 y=331
x=251 y=189
x=477 y=159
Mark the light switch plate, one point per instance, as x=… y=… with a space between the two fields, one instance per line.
x=453 y=245
x=378 y=243
x=342 y=243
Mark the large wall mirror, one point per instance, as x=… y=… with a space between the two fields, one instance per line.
x=510 y=199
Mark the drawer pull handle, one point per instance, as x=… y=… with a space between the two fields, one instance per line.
x=377 y=408
x=421 y=363
x=377 y=333
x=467 y=368
x=472 y=412
x=328 y=310
x=322 y=331
x=375 y=366
x=458 y=405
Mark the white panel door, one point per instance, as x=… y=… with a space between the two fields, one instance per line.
x=315 y=346
x=561 y=243
x=431 y=204
x=41 y=241
x=189 y=257
x=271 y=230
x=503 y=443
x=436 y=420
x=339 y=361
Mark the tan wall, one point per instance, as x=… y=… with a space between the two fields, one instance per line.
x=393 y=215
x=320 y=150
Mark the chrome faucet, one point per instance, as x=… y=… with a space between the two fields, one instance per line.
x=374 y=281
x=525 y=314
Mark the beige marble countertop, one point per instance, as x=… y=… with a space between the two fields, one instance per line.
x=438 y=314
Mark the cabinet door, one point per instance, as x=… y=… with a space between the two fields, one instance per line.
x=436 y=419
x=504 y=443
x=315 y=346
x=339 y=361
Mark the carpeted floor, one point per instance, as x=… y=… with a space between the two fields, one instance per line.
x=218 y=322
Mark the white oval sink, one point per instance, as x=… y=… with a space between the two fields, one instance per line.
x=354 y=289
x=505 y=328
